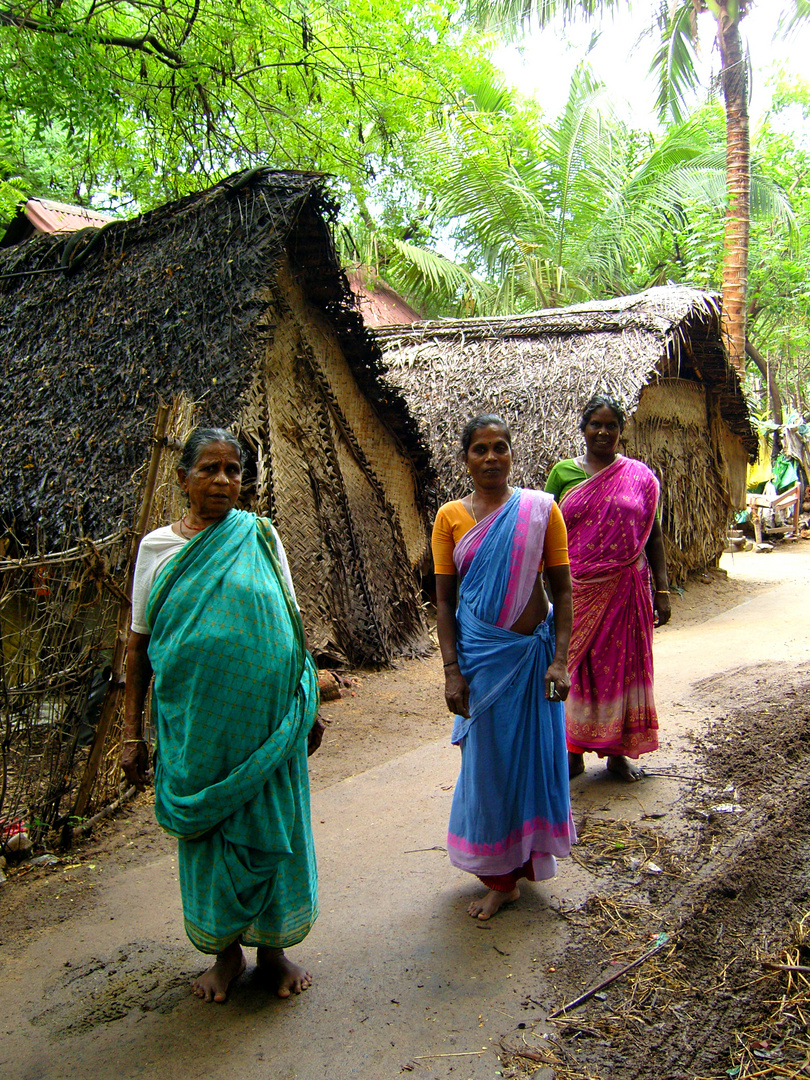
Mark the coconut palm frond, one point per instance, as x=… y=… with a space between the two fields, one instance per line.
x=674 y=63
x=768 y=200
x=511 y=17
x=427 y=277
x=798 y=13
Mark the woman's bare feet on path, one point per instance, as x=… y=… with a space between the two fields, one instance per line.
x=214 y=984
x=624 y=769
x=281 y=974
x=576 y=765
x=486 y=907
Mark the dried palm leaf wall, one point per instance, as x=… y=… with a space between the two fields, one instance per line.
x=659 y=352
x=339 y=488
x=671 y=431
x=57 y=630
x=59 y=618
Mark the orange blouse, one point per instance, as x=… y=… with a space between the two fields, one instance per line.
x=454 y=520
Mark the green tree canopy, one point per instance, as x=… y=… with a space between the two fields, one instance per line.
x=541 y=213
x=144 y=100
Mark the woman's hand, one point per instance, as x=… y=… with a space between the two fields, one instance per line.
x=456 y=692
x=134 y=751
x=557 y=673
x=661 y=608
x=658 y=565
x=315 y=736
x=135 y=762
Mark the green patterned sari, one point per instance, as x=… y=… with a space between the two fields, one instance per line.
x=235 y=696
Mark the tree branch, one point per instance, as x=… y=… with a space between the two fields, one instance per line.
x=768 y=376
x=148 y=43
x=190 y=24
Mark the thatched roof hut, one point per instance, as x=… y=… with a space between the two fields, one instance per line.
x=233 y=302
x=660 y=352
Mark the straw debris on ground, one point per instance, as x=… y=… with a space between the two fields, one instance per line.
x=726 y=997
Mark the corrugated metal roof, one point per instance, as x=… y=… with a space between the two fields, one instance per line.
x=48 y=216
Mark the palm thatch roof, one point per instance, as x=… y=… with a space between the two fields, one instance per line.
x=231 y=304
x=98 y=328
x=653 y=351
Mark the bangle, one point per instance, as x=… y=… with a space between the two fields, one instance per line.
x=450 y=663
x=125 y=741
x=662 y=592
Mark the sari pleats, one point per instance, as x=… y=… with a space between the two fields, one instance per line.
x=235 y=696
x=511 y=803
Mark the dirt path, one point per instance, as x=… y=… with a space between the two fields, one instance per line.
x=95 y=964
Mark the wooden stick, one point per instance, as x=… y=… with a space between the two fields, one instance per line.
x=530 y=1055
x=116 y=681
x=463 y=1053
x=784 y=967
x=663 y=939
x=674 y=775
x=86 y=827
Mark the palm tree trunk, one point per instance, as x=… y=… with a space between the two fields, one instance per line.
x=738 y=166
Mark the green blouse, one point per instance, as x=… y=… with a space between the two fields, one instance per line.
x=564 y=476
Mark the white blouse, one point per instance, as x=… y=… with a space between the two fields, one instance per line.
x=157 y=547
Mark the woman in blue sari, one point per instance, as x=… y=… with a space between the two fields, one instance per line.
x=505 y=654
x=214 y=620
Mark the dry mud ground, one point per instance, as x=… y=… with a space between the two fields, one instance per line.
x=711 y=850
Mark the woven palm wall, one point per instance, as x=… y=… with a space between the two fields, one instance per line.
x=659 y=352
x=338 y=487
x=671 y=432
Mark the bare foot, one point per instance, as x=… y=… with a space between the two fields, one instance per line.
x=624 y=769
x=576 y=764
x=282 y=974
x=214 y=984
x=486 y=907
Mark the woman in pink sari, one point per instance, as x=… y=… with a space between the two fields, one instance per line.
x=615 y=544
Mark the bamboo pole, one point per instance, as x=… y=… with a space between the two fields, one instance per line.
x=116 y=678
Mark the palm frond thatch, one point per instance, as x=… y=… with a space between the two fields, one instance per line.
x=231 y=299
x=659 y=352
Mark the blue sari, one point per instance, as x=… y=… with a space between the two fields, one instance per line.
x=511 y=803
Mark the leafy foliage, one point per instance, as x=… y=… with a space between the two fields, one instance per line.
x=780 y=262
x=542 y=214
x=150 y=100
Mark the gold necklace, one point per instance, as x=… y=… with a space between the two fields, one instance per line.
x=509 y=493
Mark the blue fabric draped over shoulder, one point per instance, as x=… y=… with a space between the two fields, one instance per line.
x=235 y=696
x=511 y=802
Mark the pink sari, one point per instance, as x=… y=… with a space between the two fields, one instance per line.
x=609 y=517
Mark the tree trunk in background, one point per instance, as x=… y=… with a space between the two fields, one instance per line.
x=768 y=377
x=738 y=167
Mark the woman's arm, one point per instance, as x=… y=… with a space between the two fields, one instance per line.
x=656 y=557
x=559 y=580
x=456 y=690
x=135 y=753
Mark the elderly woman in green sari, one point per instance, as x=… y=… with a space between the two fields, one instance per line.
x=215 y=621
